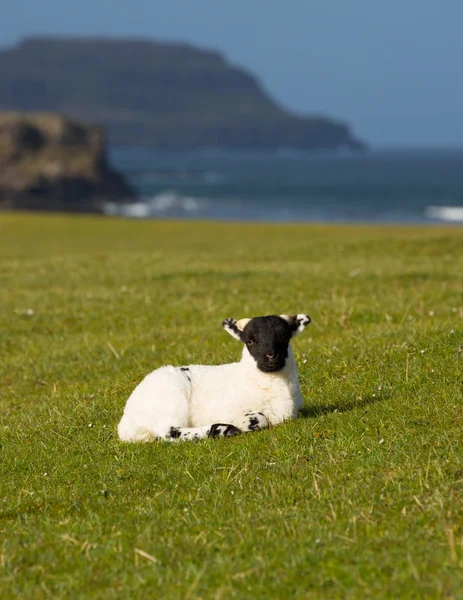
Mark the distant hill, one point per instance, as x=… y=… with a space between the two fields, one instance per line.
x=157 y=94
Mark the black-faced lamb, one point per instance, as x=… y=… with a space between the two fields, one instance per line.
x=197 y=401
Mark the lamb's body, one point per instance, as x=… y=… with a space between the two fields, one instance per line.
x=204 y=401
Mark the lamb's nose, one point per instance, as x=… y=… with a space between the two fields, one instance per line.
x=270 y=356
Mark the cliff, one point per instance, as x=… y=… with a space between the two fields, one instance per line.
x=49 y=162
x=162 y=95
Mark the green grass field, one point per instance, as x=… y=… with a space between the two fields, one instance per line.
x=360 y=497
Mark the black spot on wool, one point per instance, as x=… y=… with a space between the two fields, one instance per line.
x=186 y=372
x=253 y=423
x=174 y=432
x=231 y=324
x=223 y=430
x=297 y=322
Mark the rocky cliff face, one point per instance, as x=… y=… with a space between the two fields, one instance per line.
x=49 y=162
x=162 y=95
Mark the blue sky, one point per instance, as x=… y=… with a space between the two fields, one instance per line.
x=392 y=69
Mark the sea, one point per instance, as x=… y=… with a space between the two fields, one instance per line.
x=381 y=186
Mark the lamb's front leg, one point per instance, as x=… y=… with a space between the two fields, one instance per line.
x=204 y=431
x=250 y=422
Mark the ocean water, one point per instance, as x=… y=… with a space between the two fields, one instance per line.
x=381 y=186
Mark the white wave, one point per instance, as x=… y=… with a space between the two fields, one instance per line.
x=452 y=214
x=163 y=203
x=136 y=210
x=170 y=200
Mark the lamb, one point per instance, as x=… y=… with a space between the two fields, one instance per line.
x=198 y=401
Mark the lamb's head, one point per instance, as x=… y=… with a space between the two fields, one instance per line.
x=267 y=338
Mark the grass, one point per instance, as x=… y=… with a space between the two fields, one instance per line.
x=360 y=497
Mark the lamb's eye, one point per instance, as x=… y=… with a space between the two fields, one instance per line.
x=250 y=342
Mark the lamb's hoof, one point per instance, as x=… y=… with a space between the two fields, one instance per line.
x=255 y=421
x=223 y=430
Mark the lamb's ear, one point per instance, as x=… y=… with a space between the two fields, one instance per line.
x=297 y=322
x=234 y=327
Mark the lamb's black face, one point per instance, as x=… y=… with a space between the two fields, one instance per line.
x=267 y=340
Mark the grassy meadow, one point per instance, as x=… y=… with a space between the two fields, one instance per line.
x=360 y=497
